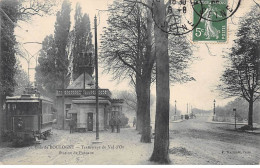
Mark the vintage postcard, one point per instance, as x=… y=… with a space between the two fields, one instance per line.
x=130 y=82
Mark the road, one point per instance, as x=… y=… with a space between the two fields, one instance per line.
x=191 y=142
x=206 y=143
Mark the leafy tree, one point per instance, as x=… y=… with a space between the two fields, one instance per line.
x=52 y=70
x=61 y=34
x=241 y=77
x=7 y=52
x=46 y=70
x=53 y=66
x=8 y=42
x=22 y=80
x=81 y=40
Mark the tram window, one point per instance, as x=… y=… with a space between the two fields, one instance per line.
x=25 y=108
x=46 y=108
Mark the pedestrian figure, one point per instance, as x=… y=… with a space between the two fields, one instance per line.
x=112 y=123
x=118 y=123
x=20 y=124
x=72 y=125
x=134 y=122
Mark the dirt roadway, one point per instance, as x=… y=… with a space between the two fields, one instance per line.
x=197 y=142
x=192 y=142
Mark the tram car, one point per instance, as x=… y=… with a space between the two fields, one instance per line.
x=29 y=117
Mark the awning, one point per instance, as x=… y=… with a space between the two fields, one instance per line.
x=22 y=101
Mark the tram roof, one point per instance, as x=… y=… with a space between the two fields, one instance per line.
x=27 y=98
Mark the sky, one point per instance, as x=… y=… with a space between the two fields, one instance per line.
x=206 y=70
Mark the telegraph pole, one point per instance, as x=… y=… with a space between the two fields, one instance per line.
x=175 y=107
x=214 y=110
x=96 y=73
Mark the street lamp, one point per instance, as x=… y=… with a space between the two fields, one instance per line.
x=235 y=118
x=214 y=112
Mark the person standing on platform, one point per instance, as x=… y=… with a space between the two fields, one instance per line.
x=71 y=124
x=118 y=123
x=134 y=122
x=112 y=123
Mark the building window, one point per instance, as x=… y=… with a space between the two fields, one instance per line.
x=67 y=108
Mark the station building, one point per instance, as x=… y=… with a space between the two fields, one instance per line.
x=80 y=105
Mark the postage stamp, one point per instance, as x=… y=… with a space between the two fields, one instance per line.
x=213 y=24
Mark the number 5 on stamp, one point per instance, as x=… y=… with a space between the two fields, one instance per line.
x=213 y=23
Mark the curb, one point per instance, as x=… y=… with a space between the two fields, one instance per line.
x=177 y=121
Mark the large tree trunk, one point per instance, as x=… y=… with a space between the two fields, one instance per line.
x=161 y=142
x=146 y=82
x=250 y=113
x=1 y=104
x=139 y=115
x=146 y=130
x=1 y=116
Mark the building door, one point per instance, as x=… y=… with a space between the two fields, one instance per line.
x=74 y=117
x=90 y=121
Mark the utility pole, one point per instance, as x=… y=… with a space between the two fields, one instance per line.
x=63 y=100
x=175 y=107
x=96 y=73
x=235 y=118
x=187 y=108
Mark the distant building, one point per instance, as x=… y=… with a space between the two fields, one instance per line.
x=80 y=105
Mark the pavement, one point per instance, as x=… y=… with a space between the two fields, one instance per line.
x=63 y=148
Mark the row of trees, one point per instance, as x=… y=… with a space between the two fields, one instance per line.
x=59 y=58
x=226 y=113
x=134 y=47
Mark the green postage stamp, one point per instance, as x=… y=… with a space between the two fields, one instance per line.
x=213 y=21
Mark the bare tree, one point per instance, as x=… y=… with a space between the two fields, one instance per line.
x=29 y=8
x=129 y=99
x=126 y=48
x=129 y=50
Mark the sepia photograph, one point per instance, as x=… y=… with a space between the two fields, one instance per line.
x=130 y=82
